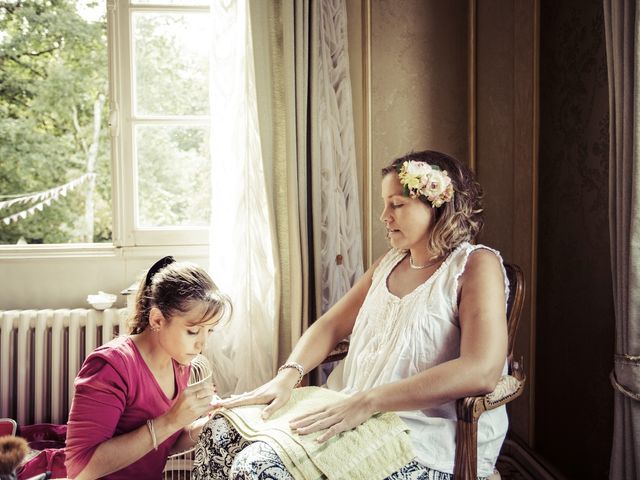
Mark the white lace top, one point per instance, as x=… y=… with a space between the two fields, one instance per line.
x=394 y=338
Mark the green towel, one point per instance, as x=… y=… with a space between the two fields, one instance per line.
x=373 y=450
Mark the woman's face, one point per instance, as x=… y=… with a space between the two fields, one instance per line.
x=185 y=335
x=408 y=220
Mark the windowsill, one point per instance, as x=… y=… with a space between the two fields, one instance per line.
x=95 y=250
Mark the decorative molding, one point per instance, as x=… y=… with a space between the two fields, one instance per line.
x=367 y=164
x=534 y=210
x=472 y=81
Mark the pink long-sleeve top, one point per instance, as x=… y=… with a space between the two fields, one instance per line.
x=115 y=393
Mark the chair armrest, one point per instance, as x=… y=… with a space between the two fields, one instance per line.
x=469 y=409
x=509 y=387
x=339 y=352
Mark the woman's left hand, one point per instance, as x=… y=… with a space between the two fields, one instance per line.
x=344 y=415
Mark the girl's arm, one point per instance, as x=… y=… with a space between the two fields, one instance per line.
x=121 y=451
x=312 y=348
x=189 y=436
x=476 y=371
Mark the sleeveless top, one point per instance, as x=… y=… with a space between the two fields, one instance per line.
x=395 y=338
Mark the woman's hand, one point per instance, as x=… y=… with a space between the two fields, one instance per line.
x=344 y=415
x=194 y=402
x=276 y=392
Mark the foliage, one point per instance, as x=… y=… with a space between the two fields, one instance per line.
x=53 y=68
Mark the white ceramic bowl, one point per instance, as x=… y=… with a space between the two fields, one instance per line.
x=101 y=305
x=101 y=301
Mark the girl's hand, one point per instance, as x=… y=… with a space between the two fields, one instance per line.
x=193 y=403
x=276 y=392
x=344 y=415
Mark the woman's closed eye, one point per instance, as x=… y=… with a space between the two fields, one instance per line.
x=396 y=205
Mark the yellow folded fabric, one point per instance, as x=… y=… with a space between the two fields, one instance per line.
x=372 y=451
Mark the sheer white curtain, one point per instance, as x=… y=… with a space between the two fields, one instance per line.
x=242 y=256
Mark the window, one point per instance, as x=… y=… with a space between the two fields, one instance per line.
x=147 y=62
x=164 y=55
x=55 y=166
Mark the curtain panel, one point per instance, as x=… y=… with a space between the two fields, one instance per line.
x=286 y=238
x=306 y=123
x=621 y=25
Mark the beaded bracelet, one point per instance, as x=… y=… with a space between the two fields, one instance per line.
x=152 y=432
x=298 y=367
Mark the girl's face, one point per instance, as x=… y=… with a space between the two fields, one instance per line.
x=185 y=334
x=408 y=220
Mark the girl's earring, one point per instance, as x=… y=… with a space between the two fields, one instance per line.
x=155 y=328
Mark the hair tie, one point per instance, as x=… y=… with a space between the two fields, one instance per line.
x=156 y=267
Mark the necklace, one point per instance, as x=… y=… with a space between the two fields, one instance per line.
x=420 y=267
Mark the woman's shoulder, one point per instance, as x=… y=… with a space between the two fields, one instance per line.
x=468 y=252
x=480 y=263
x=468 y=260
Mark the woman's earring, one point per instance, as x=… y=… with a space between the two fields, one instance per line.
x=155 y=328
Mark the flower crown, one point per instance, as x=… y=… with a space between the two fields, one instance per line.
x=420 y=178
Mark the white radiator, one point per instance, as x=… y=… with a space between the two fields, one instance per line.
x=41 y=352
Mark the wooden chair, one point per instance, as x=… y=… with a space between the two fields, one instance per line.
x=469 y=409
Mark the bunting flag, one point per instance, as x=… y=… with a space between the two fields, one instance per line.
x=44 y=199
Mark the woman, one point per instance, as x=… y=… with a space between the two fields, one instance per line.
x=131 y=406
x=428 y=327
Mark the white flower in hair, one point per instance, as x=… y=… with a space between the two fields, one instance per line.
x=417 y=168
x=422 y=179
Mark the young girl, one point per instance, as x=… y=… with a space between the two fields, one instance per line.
x=427 y=324
x=131 y=406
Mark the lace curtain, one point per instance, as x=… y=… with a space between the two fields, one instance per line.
x=337 y=233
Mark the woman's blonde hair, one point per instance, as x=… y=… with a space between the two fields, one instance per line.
x=174 y=287
x=460 y=219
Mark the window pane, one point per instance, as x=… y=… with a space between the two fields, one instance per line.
x=171 y=63
x=173 y=176
x=55 y=169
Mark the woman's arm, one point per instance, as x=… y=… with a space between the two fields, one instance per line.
x=476 y=371
x=312 y=348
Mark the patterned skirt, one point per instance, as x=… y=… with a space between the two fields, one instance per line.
x=222 y=454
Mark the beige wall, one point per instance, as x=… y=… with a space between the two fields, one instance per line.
x=506 y=157
x=418 y=75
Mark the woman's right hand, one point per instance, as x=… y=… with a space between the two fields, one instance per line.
x=276 y=392
x=194 y=402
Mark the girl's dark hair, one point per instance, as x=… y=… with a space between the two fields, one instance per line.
x=174 y=287
x=460 y=219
